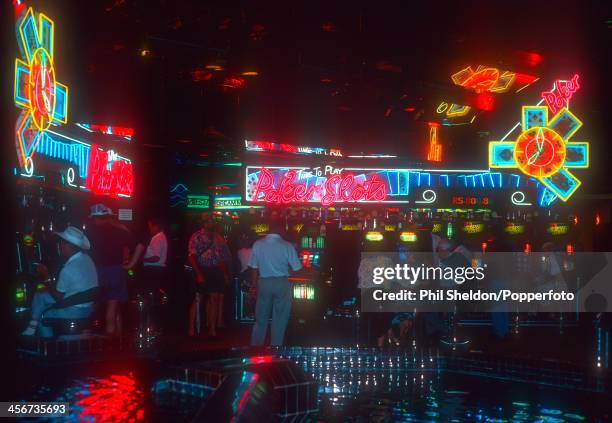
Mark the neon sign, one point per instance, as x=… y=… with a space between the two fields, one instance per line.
x=198 y=201
x=335 y=189
x=473 y=227
x=120 y=131
x=43 y=99
x=374 y=236
x=289 y=148
x=514 y=229
x=561 y=93
x=556 y=229
x=260 y=228
x=543 y=150
x=107 y=175
x=482 y=80
x=408 y=237
x=44 y=104
x=422 y=187
x=435 y=149
x=230 y=202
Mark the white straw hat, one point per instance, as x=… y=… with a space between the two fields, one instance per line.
x=75 y=237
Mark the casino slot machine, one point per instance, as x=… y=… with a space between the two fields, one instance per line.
x=307 y=283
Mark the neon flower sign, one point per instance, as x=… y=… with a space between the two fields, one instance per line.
x=336 y=188
x=543 y=150
x=561 y=93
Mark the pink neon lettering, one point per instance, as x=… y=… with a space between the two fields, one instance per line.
x=561 y=93
x=100 y=180
x=335 y=188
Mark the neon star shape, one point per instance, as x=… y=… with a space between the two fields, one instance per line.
x=43 y=100
x=544 y=151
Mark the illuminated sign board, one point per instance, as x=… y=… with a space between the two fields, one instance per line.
x=260 y=228
x=230 y=202
x=198 y=202
x=473 y=227
x=328 y=186
x=44 y=104
x=408 y=237
x=374 y=236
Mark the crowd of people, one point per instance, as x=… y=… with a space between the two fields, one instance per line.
x=99 y=260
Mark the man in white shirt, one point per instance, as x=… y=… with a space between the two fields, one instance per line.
x=272 y=257
x=155 y=256
x=156 y=253
x=77 y=275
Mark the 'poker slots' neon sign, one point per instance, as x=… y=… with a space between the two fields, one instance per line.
x=328 y=190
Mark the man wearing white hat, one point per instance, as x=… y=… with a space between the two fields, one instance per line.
x=77 y=275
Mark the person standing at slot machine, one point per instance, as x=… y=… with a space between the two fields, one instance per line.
x=271 y=258
x=110 y=243
x=209 y=257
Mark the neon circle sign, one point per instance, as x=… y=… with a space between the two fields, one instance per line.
x=539 y=152
x=42 y=89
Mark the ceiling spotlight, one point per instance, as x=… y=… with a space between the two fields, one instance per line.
x=214 y=67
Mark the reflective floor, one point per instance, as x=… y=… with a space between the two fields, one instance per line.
x=451 y=398
x=372 y=388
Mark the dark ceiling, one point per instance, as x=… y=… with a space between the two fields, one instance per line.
x=356 y=75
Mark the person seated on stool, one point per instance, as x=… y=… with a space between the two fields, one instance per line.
x=77 y=275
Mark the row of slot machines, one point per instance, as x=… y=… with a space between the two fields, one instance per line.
x=330 y=252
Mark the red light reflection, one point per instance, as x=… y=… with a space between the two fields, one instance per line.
x=112 y=399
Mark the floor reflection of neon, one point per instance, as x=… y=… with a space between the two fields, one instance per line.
x=115 y=398
x=248 y=382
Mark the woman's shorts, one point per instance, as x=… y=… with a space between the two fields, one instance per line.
x=214 y=281
x=113 y=283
